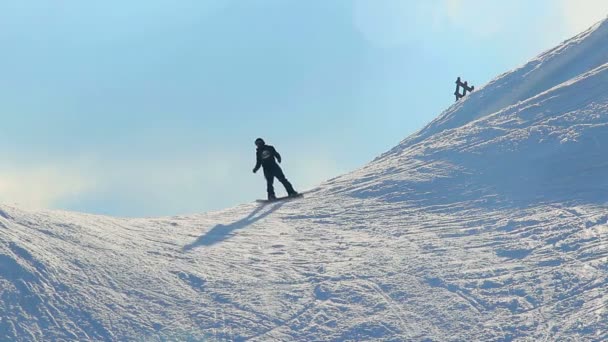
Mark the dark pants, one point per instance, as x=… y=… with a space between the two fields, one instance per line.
x=272 y=171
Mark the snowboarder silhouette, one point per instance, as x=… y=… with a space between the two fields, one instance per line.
x=267 y=157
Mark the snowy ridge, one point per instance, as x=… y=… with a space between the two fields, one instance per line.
x=490 y=224
x=575 y=56
x=531 y=150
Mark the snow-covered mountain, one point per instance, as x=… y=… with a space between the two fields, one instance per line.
x=489 y=224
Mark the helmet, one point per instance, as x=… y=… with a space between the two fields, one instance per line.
x=259 y=142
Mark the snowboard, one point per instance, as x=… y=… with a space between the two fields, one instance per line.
x=279 y=199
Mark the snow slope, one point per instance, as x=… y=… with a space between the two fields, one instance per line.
x=489 y=224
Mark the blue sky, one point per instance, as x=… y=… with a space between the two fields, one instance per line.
x=149 y=108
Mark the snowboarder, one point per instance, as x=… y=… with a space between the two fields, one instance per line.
x=267 y=157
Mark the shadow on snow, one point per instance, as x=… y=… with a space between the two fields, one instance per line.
x=222 y=232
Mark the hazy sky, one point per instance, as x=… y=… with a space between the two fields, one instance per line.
x=149 y=108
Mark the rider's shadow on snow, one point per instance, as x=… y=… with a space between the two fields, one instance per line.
x=222 y=232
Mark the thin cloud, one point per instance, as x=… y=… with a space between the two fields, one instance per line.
x=394 y=23
x=41 y=186
x=479 y=18
x=579 y=15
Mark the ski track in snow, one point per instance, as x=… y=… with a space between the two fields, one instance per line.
x=490 y=224
x=391 y=272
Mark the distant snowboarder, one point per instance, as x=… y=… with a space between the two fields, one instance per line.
x=267 y=158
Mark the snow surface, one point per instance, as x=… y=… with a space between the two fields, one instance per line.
x=489 y=224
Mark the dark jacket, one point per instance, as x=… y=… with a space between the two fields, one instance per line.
x=266 y=157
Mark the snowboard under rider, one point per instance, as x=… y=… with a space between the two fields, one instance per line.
x=267 y=158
